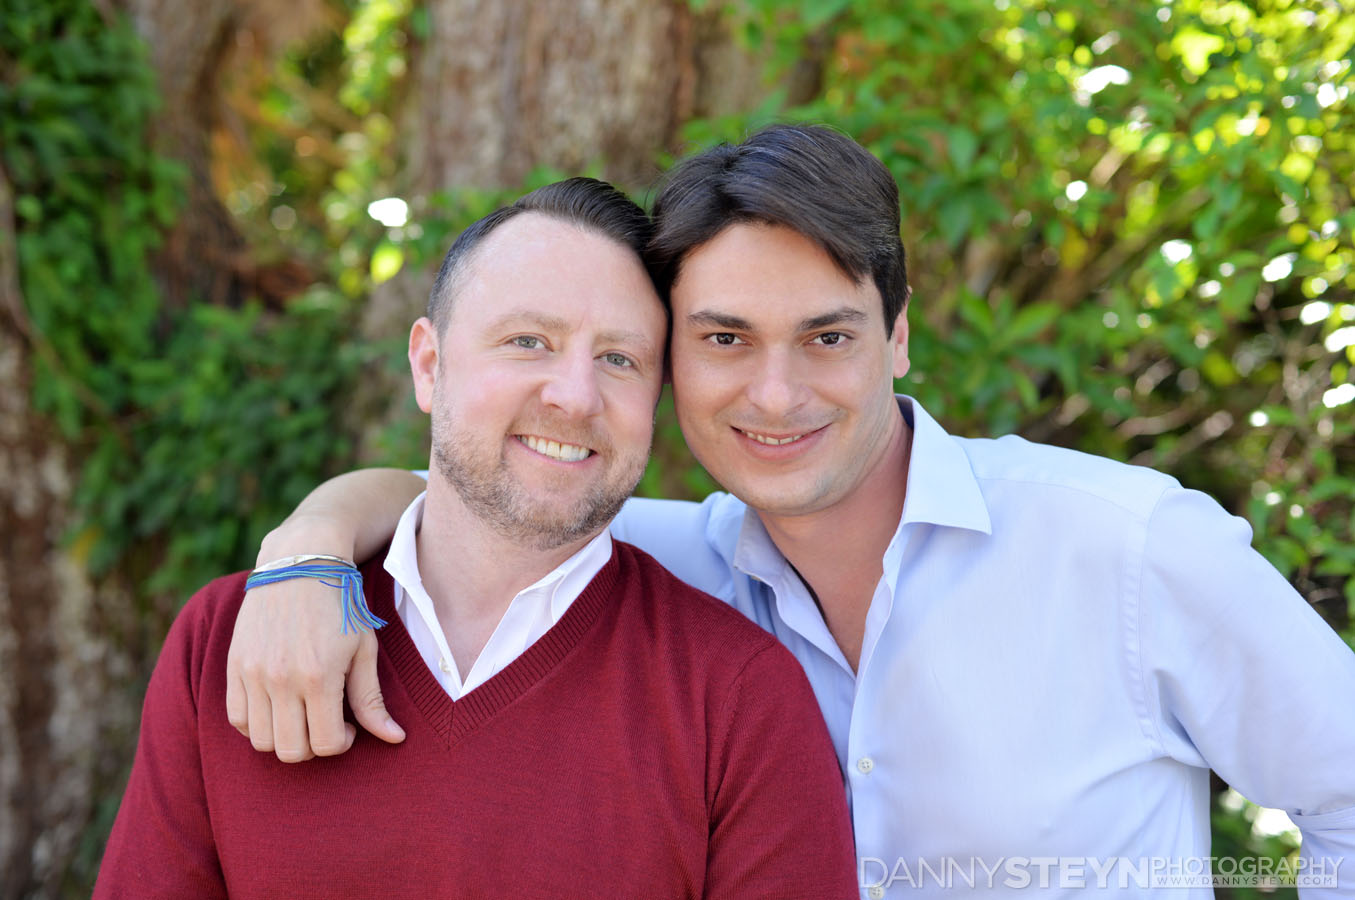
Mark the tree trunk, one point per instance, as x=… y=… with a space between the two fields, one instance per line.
x=204 y=252
x=192 y=45
x=68 y=694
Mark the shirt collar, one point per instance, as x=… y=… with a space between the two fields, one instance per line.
x=942 y=490
x=402 y=559
x=569 y=579
x=561 y=586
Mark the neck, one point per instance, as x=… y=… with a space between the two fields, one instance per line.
x=838 y=551
x=470 y=571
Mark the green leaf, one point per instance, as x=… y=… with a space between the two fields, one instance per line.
x=963 y=146
x=1031 y=320
x=387 y=260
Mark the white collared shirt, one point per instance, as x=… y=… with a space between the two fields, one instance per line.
x=530 y=614
x=1059 y=649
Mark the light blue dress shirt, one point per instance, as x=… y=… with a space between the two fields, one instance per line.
x=1059 y=649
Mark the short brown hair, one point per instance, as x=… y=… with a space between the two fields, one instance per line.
x=812 y=179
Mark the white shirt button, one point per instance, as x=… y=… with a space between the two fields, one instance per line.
x=876 y=892
x=865 y=765
x=444 y=665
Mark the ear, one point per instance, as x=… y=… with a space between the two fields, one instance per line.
x=898 y=343
x=423 y=361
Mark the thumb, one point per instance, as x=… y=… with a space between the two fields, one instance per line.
x=364 y=693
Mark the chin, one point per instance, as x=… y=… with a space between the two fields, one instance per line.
x=793 y=500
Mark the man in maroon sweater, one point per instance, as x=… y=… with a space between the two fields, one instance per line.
x=580 y=723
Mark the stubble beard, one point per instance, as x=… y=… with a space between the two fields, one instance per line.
x=490 y=492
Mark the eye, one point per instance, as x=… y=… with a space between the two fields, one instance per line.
x=620 y=360
x=725 y=339
x=528 y=342
x=830 y=339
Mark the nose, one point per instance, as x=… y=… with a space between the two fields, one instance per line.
x=776 y=388
x=572 y=386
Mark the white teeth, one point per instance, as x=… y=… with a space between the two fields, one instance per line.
x=771 y=441
x=554 y=449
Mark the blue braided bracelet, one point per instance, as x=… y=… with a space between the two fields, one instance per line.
x=356 y=615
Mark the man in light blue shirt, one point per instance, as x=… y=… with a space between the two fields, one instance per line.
x=1028 y=658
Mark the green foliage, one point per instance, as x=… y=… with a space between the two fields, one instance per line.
x=1236 y=837
x=196 y=426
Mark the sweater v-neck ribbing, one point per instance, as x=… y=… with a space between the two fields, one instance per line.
x=452 y=719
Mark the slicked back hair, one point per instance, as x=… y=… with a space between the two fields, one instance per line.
x=586 y=202
x=811 y=179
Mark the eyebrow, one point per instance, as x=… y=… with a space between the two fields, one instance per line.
x=713 y=319
x=556 y=324
x=846 y=315
x=627 y=338
x=530 y=317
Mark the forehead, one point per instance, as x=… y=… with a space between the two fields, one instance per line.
x=553 y=269
x=767 y=274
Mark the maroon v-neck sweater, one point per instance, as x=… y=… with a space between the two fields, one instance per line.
x=654 y=743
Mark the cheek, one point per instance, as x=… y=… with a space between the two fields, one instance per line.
x=865 y=376
x=631 y=409
x=701 y=383
x=489 y=395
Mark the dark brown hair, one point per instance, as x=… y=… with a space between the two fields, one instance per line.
x=812 y=179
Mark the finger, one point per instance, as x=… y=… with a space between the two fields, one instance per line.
x=237 y=701
x=330 y=735
x=260 y=717
x=237 y=673
x=364 y=694
x=290 y=740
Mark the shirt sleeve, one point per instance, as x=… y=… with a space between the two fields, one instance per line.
x=779 y=821
x=161 y=845
x=1241 y=675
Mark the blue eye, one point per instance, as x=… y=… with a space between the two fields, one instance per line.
x=528 y=342
x=618 y=359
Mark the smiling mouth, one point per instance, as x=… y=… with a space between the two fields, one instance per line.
x=771 y=441
x=554 y=449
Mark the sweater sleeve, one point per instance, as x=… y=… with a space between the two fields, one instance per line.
x=162 y=844
x=779 y=822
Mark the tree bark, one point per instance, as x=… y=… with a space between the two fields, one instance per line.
x=192 y=45
x=67 y=696
x=203 y=251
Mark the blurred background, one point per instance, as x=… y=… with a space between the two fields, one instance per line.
x=1129 y=228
